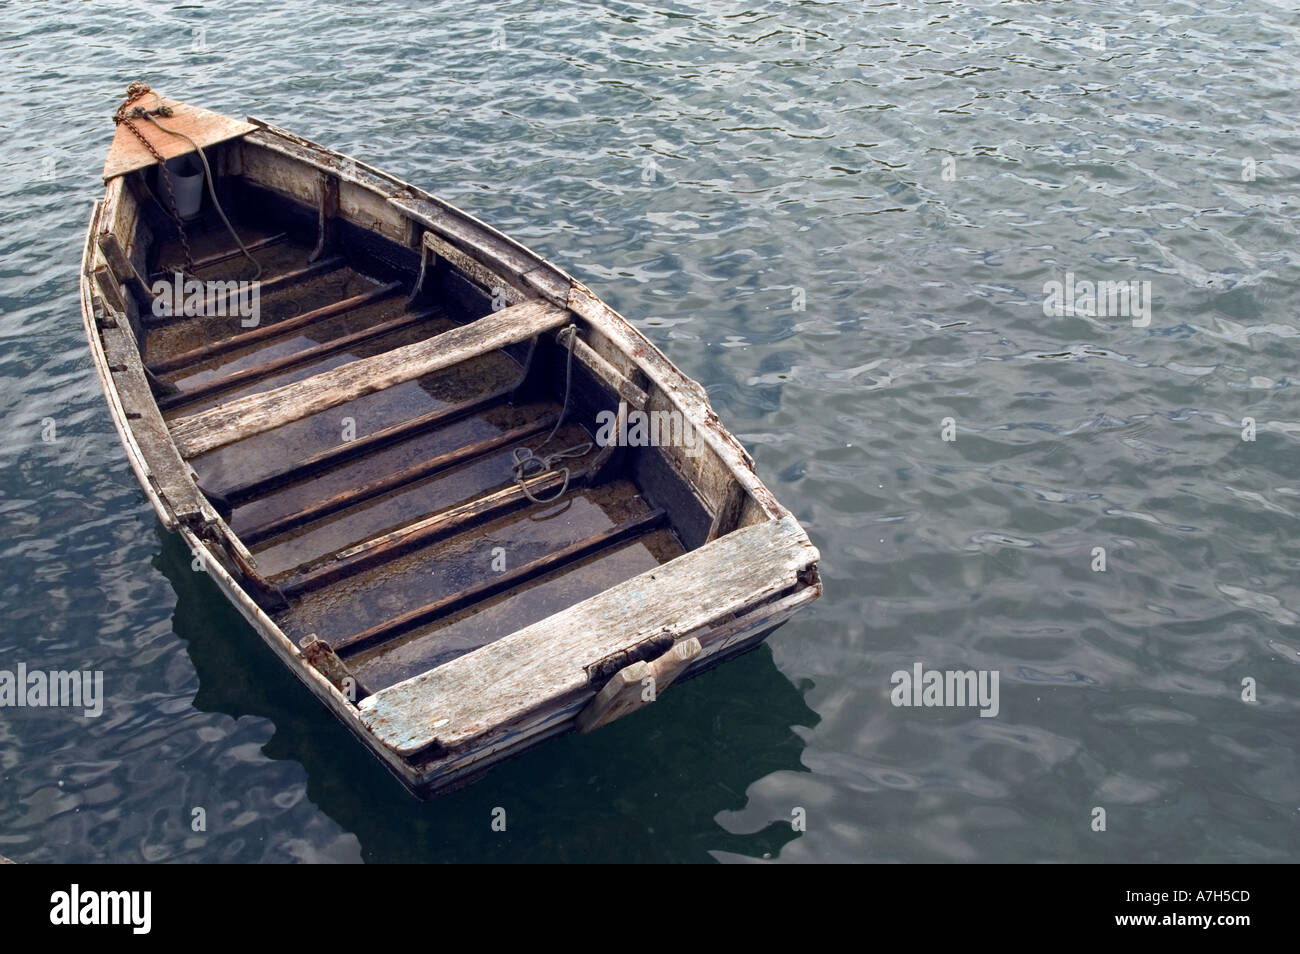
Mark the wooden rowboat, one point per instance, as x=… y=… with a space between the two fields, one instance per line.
x=468 y=504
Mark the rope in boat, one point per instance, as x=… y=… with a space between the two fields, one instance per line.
x=134 y=92
x=526 y=458
x=126 y=115
x=212 y=191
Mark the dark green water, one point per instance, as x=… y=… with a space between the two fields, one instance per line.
x=703 y=167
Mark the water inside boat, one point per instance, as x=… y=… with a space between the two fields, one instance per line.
x=393 y=523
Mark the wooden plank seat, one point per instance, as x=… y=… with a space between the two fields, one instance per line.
x=256 y=413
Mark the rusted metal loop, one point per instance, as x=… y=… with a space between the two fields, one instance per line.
x=525 y=458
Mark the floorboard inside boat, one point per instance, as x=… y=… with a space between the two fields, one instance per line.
x=348 y=475
x=208 y=237
x=486 y=622
x=303 y=548
x=169 y=338
x=213 y=372
x=205 y=372
x=471 y=558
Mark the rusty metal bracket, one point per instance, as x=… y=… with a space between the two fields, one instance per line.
x=324 y=660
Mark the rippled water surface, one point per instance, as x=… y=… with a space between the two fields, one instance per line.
x=913 y=173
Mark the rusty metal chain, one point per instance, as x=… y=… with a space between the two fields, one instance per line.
x=124 y=116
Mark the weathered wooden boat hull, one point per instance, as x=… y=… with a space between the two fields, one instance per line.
x=733 y=563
